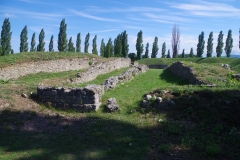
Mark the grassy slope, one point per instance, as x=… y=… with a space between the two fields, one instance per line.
x=40 y=56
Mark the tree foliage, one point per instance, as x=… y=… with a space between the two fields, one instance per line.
x=23 y=40
x=132 y=56
x=102 y=48
x=6 y=37
x=175 y=40
x=109 y=49
x=33 y=43
x=125 y=45
x=41 y=44
x=229 y=43
x=169 y=55
x=71 y=47
x=164 y=50
x=155 y=48
x=200 y=46
x=62 y=37
x=78 y=43
x=51 y=44
x=219 y=48
x=183 y=53
x=191 y=55
x=118 y=46
x=86 y=43
x=139 y=45
x=146 y=51
x=94 y=48
x=210 y=45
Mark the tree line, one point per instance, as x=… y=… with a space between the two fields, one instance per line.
x=117 y=48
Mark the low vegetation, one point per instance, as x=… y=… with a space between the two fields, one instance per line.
x=204 y=123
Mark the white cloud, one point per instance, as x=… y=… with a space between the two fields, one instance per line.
x=29 y=14
x=202 y=8
x=165 y=18
x=102 y=31
x=9 y=15
x=93 y=17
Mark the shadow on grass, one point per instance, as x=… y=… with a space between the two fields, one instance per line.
x=204 y=123
x=27 y=135
x=171 y=78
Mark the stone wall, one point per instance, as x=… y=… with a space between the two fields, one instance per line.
x=185 y=72
x=101 y=68
x=18 y=70
x=88 y=98
x=113 y=81
x=82 y=99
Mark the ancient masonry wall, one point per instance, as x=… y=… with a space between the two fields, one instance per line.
x=101 y=68
x=88 y=98
x=18 y=70
x=185 y=72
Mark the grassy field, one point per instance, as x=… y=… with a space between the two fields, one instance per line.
x=40 y=56
x=204 y=123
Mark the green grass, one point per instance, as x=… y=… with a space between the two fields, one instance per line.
x=40 y=56
x=200 y=126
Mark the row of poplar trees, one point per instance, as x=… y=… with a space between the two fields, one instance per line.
x=220 y=44
x=118 y=48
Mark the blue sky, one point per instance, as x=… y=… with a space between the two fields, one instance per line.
x=108 y=18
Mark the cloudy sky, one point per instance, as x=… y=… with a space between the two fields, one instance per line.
x=108 y=18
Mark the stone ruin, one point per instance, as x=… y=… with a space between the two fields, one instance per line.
x=185 y=72
x=128 y=75
x=83 y=99
x=88 y=98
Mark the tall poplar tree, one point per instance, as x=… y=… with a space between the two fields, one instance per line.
x=118 y=46
x=102 y=48
x=155 y=48
x=51 y=44
x=146 y=51
x=191 y=55
x=86 y=43
x=219 y=48
x=62 y=37
x=109 y=49
x=23 y=40
x=41 y=44
x=169 y=55
x=200 y=46
x=33 y=43
x=78 y=43
x=164 y=50
x=210 y=45
x=139 y=45
x=71 y=47
x=0 y=47
x=94 y=48
x=229 y=43
x=125 y=45
x=183 y=53
x=6 y=37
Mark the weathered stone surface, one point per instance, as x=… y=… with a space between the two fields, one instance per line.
x=83 y=99
x=111 y=82
x=101 y=68
x=112 y=104
x=148 y=97
x=145 y=103
x=226 y=66
x=185 y=72
x=18 y=70
x=236 y=76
